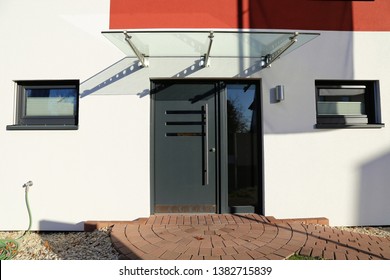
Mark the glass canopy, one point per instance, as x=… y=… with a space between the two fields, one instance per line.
x=173 y=43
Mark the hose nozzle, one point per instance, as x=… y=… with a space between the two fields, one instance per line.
x=28 y=184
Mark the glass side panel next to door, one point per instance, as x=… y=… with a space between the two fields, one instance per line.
x=243 y=166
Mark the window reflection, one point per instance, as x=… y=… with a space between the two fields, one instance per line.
x=242 y=147
x=50 y=101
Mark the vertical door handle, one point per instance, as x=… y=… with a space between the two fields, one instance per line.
x=205 y=111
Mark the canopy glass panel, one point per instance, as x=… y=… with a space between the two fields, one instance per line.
x=173 y=43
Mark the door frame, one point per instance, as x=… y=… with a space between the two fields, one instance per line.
x=221 y=125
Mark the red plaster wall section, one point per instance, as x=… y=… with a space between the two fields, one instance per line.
x=173 y=14
x=340 y=15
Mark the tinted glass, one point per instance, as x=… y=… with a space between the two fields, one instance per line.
x=243 y=166
x=50 y=102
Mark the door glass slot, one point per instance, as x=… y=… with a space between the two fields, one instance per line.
x=185 y=134
x=183 y=112
x=184 y=123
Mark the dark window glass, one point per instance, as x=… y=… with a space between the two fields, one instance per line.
x=47 y=102
x=50 y=102
x=242 y=147
x=347 y=103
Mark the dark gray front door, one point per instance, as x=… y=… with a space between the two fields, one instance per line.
x=184 y=147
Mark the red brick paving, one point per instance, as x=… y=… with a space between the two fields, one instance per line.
x=240 y=237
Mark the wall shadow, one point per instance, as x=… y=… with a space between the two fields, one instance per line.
x=112 y=74
x=301 y=14
x=196 y=66
x=144 y=93
x=66 y=244
x=249 y=71
x=374 y=192
x=298 y=15
x=122 y=69
x=48 y=225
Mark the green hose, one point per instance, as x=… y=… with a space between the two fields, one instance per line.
x=9 y=247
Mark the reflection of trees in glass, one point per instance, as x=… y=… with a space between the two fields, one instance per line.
x=236 y=119
x=242 y=146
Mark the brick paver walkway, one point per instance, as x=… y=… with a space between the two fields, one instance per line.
x=240 y=237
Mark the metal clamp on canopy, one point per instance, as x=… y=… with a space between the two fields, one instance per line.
x=142 y=58
x=207 y=55
x=269 y=58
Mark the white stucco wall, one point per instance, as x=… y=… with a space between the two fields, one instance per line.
x=102 y=170
x=98 y=172
x=337 y=173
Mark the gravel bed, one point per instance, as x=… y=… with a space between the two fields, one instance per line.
x=96 y=245
x=376 y=231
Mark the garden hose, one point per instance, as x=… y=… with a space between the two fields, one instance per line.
x=9 y=247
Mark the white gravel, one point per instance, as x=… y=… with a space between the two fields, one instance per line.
x=376 y=231
x=95 y=245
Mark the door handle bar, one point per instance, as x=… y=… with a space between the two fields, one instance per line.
x=205 y=110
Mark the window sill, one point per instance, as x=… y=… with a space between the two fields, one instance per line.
x=332 y=125
x=42 y=127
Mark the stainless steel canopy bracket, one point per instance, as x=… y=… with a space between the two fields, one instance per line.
x=144 y=61
x=269 y=58
x=206 y=56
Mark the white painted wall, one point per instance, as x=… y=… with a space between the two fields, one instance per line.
x=102 y=170
x=341 y=174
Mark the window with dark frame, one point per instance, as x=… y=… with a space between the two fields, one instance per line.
x=49 y=104
x=344 y=103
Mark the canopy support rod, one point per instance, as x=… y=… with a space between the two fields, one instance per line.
x=207 y=55
x=143 y=60
x=269 y=58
